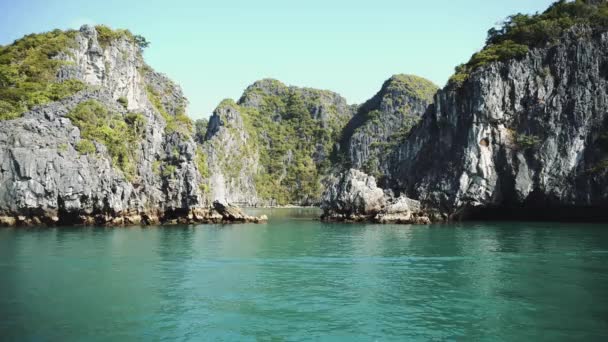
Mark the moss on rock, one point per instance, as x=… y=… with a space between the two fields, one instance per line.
x=117 y=132
x=28 y=72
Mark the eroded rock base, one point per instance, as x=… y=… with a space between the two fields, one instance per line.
x=144 y=218
x=354 y=197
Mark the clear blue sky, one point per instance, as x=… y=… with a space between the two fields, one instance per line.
x=214 y=49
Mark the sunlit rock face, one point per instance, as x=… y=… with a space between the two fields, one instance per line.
x=233 y=163
x=522 y=134
x=353 y=193
x=525 y=138
x=355 y=196
x=45 y=179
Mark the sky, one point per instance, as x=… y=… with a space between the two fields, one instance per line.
x=215 y=49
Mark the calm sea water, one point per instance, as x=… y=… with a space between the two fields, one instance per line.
x=297 y=279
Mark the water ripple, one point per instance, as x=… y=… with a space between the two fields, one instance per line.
x=301 y=280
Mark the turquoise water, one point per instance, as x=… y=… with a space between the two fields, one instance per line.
x=297 y=279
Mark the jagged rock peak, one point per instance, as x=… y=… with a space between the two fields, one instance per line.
x=384 y=120
x=519 y=132
x=268 y=86
x=226 y=112
x=88 y=31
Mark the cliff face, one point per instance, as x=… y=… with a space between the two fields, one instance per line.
x=232 y=156
x=525 y=136
x=117 y=151
x=90 y=134
x=384 y=121
x=273 y=146
x=319 y=112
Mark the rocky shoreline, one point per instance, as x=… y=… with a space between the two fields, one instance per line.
x=353 y=196
x=219 y=213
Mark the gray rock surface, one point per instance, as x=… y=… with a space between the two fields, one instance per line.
x=524 y=134
x=383 y=122
x=43 y=179
x=233 y=162
x=354 y=196
x=526 y=138
x=231 y=213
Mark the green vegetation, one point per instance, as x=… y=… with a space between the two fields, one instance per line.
x=396 y=98
x=372 y=167
x=119 y=134
x=175 y=153
x=290 y=142
x=412 y=85
x=168 y=170
x=201 y=163
x=496 y=52
x=156 y=167
x=28 y=72
x=178 y=122
x=86 y=146
x=521 y=32
x=123 y=101
x=527 y=141
x=200 y=130
x=137 y=122
x=141 y=41
x=62 y=147
x=203 y=169
x=106 y=36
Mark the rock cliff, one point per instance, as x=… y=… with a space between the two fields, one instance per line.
x=232 y=156
x=520 y=131
x=383 y=122
x=523 y=136
x=273 y=146
x=90 y=134
x=115 y=150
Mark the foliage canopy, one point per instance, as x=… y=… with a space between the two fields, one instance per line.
x=28 y=72
x=521 y=32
